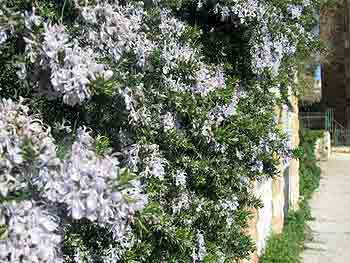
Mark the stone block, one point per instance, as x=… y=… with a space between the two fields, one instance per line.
x=277 y=204
x=294 y=184
x=252 y=232
x=323 y=147
x=264 y=223
x=294 y=164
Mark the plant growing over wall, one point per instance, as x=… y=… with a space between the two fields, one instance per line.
x=180 y=97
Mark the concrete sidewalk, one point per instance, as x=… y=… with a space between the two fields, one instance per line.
x=331 y=209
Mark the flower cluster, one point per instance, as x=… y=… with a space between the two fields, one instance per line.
x=31 y=234
x=83 y=185
x=270 y=48
x=155 y=163
x=72 y=67
x=116 y=29
x=89 y=185
x=228 y=207
x=244 y=10
x=201 y=250
x=26 y=147
x=269 y=45
x=3 y=37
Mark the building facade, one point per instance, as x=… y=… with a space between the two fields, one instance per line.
x=335 y=31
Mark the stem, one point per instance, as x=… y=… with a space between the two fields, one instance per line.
x=64 y=6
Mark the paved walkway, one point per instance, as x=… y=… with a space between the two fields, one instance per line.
x=331 y=210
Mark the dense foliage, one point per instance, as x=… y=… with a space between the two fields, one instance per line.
x=131 y=131
x=288 y=246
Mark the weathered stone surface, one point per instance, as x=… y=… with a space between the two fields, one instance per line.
x=323 y=147
x=252 y=231
x=343 y=149
x=294 y=185
x=277 y=204
x=294 y=164
x=264 y=222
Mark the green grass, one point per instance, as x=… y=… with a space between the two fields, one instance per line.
x=287 y=247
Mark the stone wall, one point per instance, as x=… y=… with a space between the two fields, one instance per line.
x=323 y=147
x=294 y=164
x=280 y=194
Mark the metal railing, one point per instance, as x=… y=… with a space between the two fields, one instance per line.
x=313 y=120
x=341 y=135
x=325 y=121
